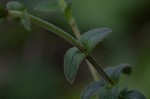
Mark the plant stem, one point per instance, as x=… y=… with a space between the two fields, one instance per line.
x=70 y=19
x=77 y=33
x=72 y=22
x=58 y=31
x=50 y=27
x=64 y=35
x=99 y=68
x=74 y=27
x=92 y=71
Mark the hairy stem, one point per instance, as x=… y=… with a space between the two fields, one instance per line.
x=66 y=36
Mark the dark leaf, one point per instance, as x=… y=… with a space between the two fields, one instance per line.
x=109 y=92
x=14 y=5
x=72 y=61
x=91 y=90
x=92 y=37
x=49 y=6
x=114 y=72
x=123 y=92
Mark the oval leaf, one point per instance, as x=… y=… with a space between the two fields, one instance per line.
x=109 y=93
x=91 y=38
x=114 y=72
x=72 y=61
x=25 y=20
x=49 y=6
x=91 y=90
x=132 y=94
x=14 y=5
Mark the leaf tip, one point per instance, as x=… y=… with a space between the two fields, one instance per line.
x=126 y=68
x=69 y=79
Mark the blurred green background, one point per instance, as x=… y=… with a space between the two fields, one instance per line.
x=31 y=63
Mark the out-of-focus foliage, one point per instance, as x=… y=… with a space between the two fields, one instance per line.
x=24 y=19
x=31 y=63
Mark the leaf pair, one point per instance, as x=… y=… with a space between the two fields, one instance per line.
x=105 y=91
x=89 y=39
x=24 y=18
x=74 y=57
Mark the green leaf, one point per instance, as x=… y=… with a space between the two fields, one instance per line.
x=14 y=5
x=91 y=38
x=72 y=61
x=91 y=90
x=114 y=72
x=132 y=94
x=25 y=20
x=49 y=6
x=109 y=92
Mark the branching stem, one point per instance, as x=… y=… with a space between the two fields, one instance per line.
x=66 y=36
x=72 y=22
x=50 y=27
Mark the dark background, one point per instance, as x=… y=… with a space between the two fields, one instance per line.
x=31 y=63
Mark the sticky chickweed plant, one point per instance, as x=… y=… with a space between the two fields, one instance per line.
x=106 y=86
